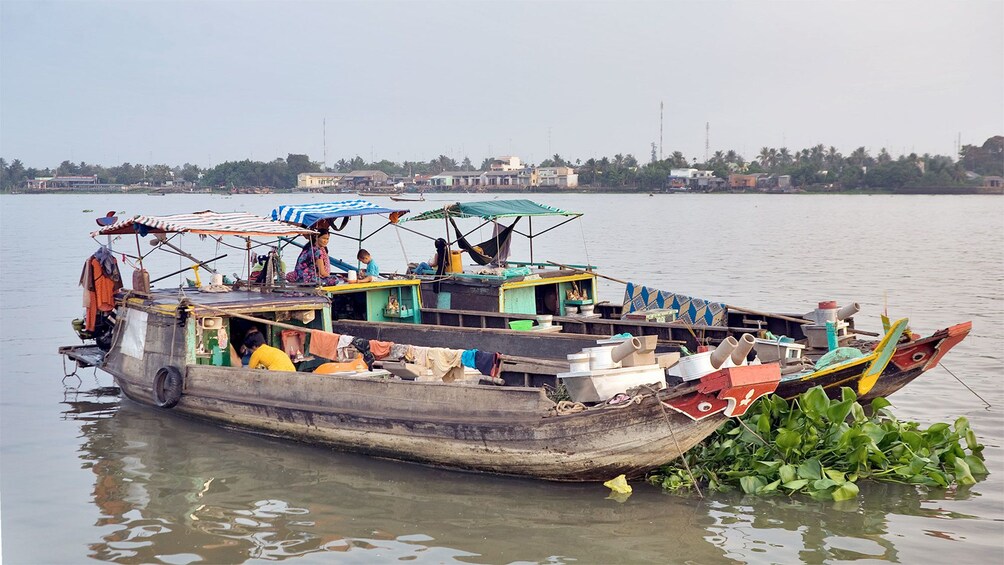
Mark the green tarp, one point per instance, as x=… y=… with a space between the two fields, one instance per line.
x=491 y=210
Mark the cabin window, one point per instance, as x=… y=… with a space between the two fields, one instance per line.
x=351 y=306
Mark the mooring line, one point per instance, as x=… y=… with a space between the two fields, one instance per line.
x=942 y=365
x=672 y=432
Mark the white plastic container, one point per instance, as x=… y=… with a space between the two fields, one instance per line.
x=600 y=358
x=601 y=385
x=692 y=367
x=578 y=362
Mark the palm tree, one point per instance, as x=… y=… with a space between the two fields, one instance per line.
x=784 y=156
x=833 y=158
x=859 y=157
x=765 y=157
x=817 y=154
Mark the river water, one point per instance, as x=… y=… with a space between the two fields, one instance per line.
x=85 y=476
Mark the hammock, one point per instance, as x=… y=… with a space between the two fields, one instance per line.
x=486 y=252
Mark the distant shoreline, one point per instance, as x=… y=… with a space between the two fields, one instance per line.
x=963 y=190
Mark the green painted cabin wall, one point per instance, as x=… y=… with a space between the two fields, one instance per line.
x=521 y=300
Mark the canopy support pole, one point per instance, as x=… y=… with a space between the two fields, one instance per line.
x=531 y=237
x=138 y=252
x=247 y=243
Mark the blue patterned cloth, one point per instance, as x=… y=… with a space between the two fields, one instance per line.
x=694 y=311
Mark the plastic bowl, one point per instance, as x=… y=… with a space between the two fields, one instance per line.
x=521 y=325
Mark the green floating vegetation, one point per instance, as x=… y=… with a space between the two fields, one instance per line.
x=822 y=447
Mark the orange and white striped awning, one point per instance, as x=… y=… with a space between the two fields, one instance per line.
x=206 y=223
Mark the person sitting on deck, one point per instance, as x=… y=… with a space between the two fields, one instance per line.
x=265 y=356
x=441 y=257
x=312 y=266
x=371 y=271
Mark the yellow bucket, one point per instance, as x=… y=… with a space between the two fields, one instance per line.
x=456 y=263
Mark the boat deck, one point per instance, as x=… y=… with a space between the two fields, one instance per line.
x=84 y=355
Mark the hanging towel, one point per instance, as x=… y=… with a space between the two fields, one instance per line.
x=467 y=358
x=324 y=344
x=380 y=349
x=445 y=363
x=398 y=352
x=345 y=350
x=292 y=343
x=487 y=362
x=421 y=355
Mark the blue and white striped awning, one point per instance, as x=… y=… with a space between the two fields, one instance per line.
x=309 y=214
x=206 y=223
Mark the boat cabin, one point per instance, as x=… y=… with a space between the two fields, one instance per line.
x=493 y=282
x=391 y=300
x=164 y=328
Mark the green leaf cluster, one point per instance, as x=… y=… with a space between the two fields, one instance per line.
x=821 y=447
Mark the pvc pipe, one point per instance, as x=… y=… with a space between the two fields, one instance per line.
x=848 y=311
x=627 y=347
x=831 y=336
x=723 y=351
x=745 y=345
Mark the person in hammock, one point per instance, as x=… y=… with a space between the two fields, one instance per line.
x=312 y=266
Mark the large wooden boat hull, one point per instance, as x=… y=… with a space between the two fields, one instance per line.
x=434 y=424
x=510 y=430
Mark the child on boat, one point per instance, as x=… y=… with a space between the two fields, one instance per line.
x=371 y=271
x=265 y=356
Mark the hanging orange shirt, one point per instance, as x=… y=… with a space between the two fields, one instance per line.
x=102 y=295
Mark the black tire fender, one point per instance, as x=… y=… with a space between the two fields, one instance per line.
x=167 y=385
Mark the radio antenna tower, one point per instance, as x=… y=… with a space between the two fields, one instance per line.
x=324 y=142
x=660 y=129
x=707 y=141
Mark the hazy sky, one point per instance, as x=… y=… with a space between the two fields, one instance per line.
x=206 y=82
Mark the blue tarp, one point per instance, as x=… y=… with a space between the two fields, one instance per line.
x=308 y=214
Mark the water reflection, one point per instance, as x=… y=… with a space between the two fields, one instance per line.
x=178 y=491
x=175 y=490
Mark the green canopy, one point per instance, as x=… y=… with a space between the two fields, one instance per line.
x=491 y=210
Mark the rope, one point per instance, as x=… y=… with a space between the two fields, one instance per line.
x=585 y=247
x=942 y=365
x=401 y=243
x=219 y=241
x=565 y=407
x=679 y=448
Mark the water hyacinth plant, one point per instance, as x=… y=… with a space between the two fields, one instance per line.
x=822 y=447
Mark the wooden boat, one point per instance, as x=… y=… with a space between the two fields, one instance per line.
x=906 y=356
x=493 y=305
x=170 y=350
x=408 y=197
